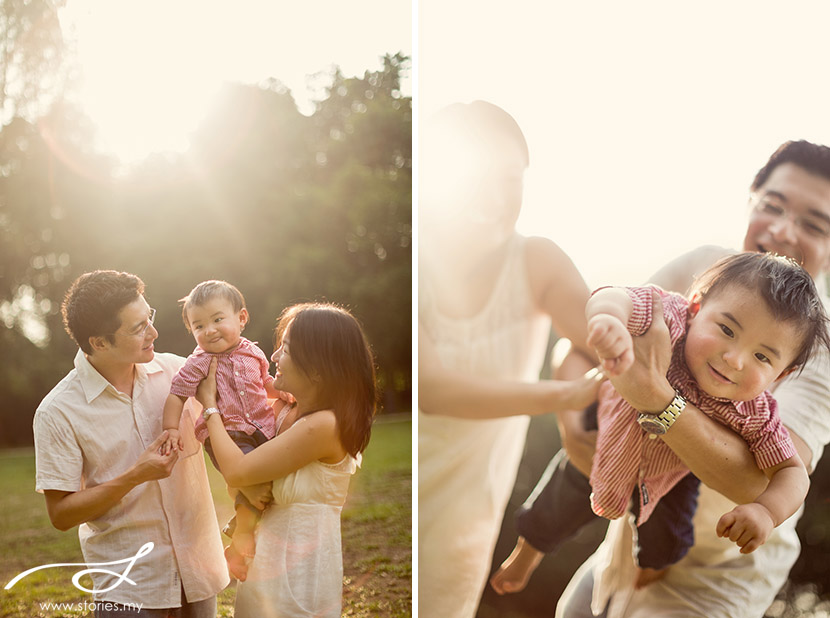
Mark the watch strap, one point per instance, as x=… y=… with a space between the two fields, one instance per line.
x=210 y=412
x=658 y=424
x=668 y=416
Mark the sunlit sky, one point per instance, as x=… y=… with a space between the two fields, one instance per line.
x=646 y=121
x=151 y=66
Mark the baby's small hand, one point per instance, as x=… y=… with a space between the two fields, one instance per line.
x=286 y=396
x=259 y=496
x=612 y=342
x=174 y=442
x=747 y=525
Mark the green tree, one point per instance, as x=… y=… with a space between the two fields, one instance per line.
x=254 y=202
x=33 y=67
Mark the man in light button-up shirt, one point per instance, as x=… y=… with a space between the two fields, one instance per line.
x=97 y=438
x=790 y=216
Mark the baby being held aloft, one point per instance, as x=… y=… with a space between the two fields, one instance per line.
x=214 y=312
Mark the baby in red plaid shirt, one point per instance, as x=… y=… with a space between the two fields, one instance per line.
x=214 y=312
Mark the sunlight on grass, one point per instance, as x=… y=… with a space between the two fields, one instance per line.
x=377 y=537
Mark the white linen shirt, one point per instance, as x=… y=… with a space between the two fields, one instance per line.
x=86 y=433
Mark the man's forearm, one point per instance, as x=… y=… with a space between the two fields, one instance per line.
x=718 y=456
x=70 y=509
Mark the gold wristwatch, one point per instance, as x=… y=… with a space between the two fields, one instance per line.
x=658 y=424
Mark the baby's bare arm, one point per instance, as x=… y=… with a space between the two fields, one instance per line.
x=788 y=485
x=608 y=312
x=749 y=525
x=171 y=417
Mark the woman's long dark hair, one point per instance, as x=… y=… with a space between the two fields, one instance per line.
x=328 y=341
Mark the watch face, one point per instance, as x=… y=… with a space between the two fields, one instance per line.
x=651 y=424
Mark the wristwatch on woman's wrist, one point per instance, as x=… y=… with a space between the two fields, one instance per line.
x=659 y=424
x=209 y=412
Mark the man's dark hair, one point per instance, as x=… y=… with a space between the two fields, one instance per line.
x=93 y=302
x=813 y=158
x=207 y=291
x=787 y=289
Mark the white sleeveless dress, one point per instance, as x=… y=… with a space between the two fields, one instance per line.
x=298 y=567
x=467 y=468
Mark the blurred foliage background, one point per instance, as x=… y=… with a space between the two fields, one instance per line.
x=288 y=207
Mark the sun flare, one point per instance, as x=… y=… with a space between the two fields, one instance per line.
x=149 y=69
x=146 y=78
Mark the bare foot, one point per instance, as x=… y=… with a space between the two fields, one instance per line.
x=240 y=553
x=646 y=576
x=515 y=572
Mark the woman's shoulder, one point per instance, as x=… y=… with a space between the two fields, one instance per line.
x=319 y=418
x=553 y=276
x=545 y=259
x=322 y=424
x=539 y=246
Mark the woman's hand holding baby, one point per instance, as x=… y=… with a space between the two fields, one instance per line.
x=576 y=394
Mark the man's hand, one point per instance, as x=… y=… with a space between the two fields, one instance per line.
x=747 y=525
x=644 y=385
x=612 y=342
x=152 y=465
x=577 y=441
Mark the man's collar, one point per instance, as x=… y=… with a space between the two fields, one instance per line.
x=93 y=383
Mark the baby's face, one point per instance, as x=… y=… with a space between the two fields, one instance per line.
x=735 y=348
x=216 y=326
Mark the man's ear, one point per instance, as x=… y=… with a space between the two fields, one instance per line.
x=98 y=343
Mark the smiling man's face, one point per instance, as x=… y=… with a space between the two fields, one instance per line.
x=791 y=217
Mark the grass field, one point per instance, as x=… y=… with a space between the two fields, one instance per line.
x=377 y=536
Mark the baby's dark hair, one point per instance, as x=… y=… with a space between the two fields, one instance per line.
x=207 y=291
x=788 y=290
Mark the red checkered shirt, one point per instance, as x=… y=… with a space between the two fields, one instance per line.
x=627 y=458
x=241 y=375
